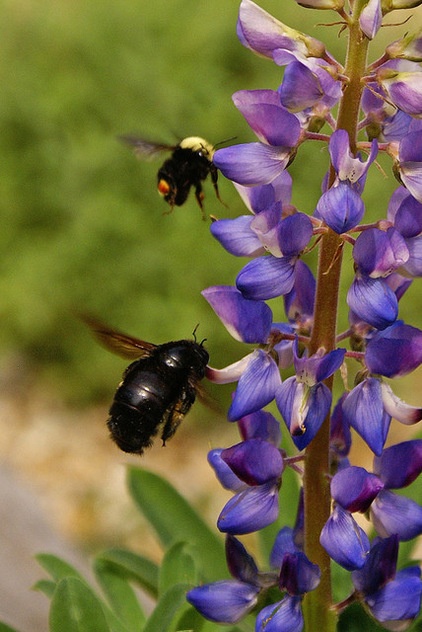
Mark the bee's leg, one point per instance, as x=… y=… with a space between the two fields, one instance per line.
x=170 y=201
x=173 y=422
x=214 y=179
x=175 y=414
x=169 y=211
x=199 y=194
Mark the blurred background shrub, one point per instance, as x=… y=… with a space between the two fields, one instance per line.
x=83 y=228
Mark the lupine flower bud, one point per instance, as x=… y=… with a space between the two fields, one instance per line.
x=409 y=47
x=335 y=5
x=391 y=5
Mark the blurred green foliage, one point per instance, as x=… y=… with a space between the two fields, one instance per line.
x=83 y=228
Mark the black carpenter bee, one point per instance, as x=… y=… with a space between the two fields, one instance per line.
x=156 y=391
x=188 y=166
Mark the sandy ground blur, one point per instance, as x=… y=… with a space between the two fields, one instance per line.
x=63 y=489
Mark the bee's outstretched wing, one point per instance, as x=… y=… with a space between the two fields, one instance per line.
x=145 y=149
x=118 y=342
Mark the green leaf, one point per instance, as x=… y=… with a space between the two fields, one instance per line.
x=75 y=608
x=178 y=566
x=170 y=606
x=120 y=595
x=58 y=568
x=133 y=567
x=190 y=619
x=6 y=628
x=175 y=520
x=355 y=619
x=46 y=586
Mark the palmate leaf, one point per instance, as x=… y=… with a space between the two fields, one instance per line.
x=68 y=598
x=76 y=608
x=132 y=567
x=120 y=596
x=174 y=520
x=170 y=606
x=56 y=567
x=178 y=566
x=46 y=586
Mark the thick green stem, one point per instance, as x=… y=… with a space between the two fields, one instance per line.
x=317 y=604
x=318 y=615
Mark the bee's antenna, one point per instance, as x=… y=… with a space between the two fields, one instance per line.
x=194 y=336
x=227 y=140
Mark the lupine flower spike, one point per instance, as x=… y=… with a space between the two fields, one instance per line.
x=348 y=515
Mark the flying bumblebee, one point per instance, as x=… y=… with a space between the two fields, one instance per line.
x=188 y=166
x=157 y=390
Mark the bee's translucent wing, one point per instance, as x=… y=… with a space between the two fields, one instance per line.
x=118 y=342
x=145 y=149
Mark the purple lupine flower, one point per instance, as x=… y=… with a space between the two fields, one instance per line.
x=247 y=321
x=387 y=254
x=380 y=121
x=371 y=18
x=393 y=598
x=409 y=457
x=283 y=543
x=257 y=374
x=394 y=351
x=406 y=214
x=398 y=603
x=299 y=302
x=307 y=84
x=373 y=301
x=226 y=601
x=409 y=163
x=341 y=206
x=278 y=131
x=297 y=577
x=260 y=425
x=229 y=600
x=349 y=168
x=379 y=567
x=340 y=435
x=401 y=80
x=259 y=465
x=274 y=274
x=363 y=409
x=262 y=33
x=345 y=542
x=378 y=253
x=304 y=400
x=266 y=232
x=285 y=615
x=263 y=197
x=355 y=489
x=396 y=514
